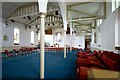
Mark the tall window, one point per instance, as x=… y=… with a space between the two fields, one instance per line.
x=115 y=4
x=59 y=37
x=32 y=37
x=16 y=36
x=99 y=21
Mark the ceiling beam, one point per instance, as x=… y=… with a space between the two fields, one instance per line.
x=32 y=20
x=86 y=30
x=105 y=9
x=85 y=19
x=82 y=12
x=74 y=20
x=80 y=3
x=82 y=24
x=88 y=25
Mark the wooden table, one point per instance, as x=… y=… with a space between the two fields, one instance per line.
x=99 y=74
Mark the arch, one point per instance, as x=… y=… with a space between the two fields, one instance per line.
x=63 y=8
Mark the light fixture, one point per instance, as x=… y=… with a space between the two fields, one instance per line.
x=56 y=12
x=23 y=17
x=12 y=20
x=29 y=27
x=29 y=17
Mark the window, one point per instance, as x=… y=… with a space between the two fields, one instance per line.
x=16 y=36
x=115 y=4
x=59 y=37
x=32 y=37
x=99 y=21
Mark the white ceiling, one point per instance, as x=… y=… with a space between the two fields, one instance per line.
x=9 y=7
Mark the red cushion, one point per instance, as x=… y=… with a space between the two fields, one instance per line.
x=92 y=58
x=114 y=56
x=110 y=63
x=95 y=63
x=82 y=62
x=82 y=56
x=103 y=57
x=99 y=54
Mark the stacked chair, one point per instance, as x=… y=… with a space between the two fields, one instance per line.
x=96 y=60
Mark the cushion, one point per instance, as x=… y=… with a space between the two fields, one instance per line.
x=95 y=63
x=92 y=58
x=82 y=56
x=110 y=63
x=82 y=62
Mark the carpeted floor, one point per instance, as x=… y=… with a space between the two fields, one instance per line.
x=28 y=66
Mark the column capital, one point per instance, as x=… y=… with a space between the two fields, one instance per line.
x=42 y=14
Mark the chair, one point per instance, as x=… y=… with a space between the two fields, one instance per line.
x=8 y=54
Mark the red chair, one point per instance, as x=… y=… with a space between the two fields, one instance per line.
x=16 y=52
x=8 y=53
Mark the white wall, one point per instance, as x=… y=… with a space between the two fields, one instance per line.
x=106 y=39
x=70 y=40
x=79 y=40
x=49 y=39
x=7 y=30
x=61 y=44
x=119 y=26
x=25 y=34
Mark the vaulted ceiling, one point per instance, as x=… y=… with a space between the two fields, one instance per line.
x=78 y=11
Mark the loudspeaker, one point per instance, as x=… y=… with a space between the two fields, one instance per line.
x=56 y=12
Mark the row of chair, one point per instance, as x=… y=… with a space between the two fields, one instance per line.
x=56 y=49
x=96 y=60
x=20 y=52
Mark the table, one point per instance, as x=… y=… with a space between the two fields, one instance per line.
x=97 y=74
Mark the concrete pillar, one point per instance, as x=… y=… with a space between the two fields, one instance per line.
x=42 y=34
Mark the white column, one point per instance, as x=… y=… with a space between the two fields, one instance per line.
x=71 y=33
x=64 y=43
x=71 y=43
x=42 y=34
